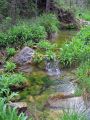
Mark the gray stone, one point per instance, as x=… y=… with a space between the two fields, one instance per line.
x=75 y=103
x=18 y=105
x=24 y=56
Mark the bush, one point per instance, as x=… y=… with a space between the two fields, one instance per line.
x=77 y=50
x=72 y=52
x=83 y=74
x=20 y=34
x=8 y=113
x=50 y=22
x=8 y=80
x=45 y=51
x=84 y=34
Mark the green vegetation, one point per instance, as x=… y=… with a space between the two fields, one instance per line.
x=34 y=23
x=83 y=73
x=7 y=113
x=24 y=32
x=85 y=15
x=77 y=50
x=10 y=66
x=7 y=80
x=10 y=52
x=73 y=116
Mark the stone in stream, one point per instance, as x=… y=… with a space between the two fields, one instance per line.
x=24 y=56
x=75 y=103
x=66 y=88
x=21 y=107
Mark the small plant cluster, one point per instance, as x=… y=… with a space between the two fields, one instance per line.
x=83 y=74
x=85 y=14
x=45 y=51
x=8 y=113
x=77 y=50
x=33 y=31
x=73 y=116
x=7 y=80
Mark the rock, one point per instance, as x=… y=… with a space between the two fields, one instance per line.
x=21 y=107
x=18 y=105
x=74 y=103
x=24 y=56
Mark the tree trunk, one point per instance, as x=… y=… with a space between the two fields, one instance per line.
x=47 y=5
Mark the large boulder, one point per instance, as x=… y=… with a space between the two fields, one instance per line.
x=24 y=56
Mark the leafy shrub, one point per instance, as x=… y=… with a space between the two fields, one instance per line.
x=50 y=22
x=84 y=34
x=8 y=113
x=78 y=49
x=72 y=52
x=83 y=74
x=10 y=66
x=3 y=39
x=6 y=80
x=20 y=34
x=45 y=51
x=10 y=51
x=84 y=15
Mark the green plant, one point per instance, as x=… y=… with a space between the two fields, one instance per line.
x=10 y=51
x=83 y=74
x=8 y=95
x=73 y=116
x=46 y=45
x=84 y=34
x=18 y=35
x=7 y=80
x=8 y=113
x=50 y=22
x=71 y=53
x=10 y=66
x=77 y=50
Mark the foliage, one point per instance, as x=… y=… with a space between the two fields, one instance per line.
x=10 y=51
x=23 y=33
x=7 y=80
x=39 y=79
x=73 y=116
x=83 y=74
x=72 y=52
x=49 y=21
x=8 y=113
x=84 y=34
x=8 y=95
x=10 y=66
x=20 y=34
x=85 y=14
x=46 y=45
x=45 y=51
x=77 y=50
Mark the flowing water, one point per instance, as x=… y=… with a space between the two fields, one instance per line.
x=57 y=95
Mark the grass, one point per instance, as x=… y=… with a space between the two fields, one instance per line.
x=7 y=113
x=73 y=116
x=83 y=74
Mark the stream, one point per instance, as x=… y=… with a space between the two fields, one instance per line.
x=59 y=95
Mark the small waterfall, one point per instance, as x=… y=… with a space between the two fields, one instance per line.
x=52 y=67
